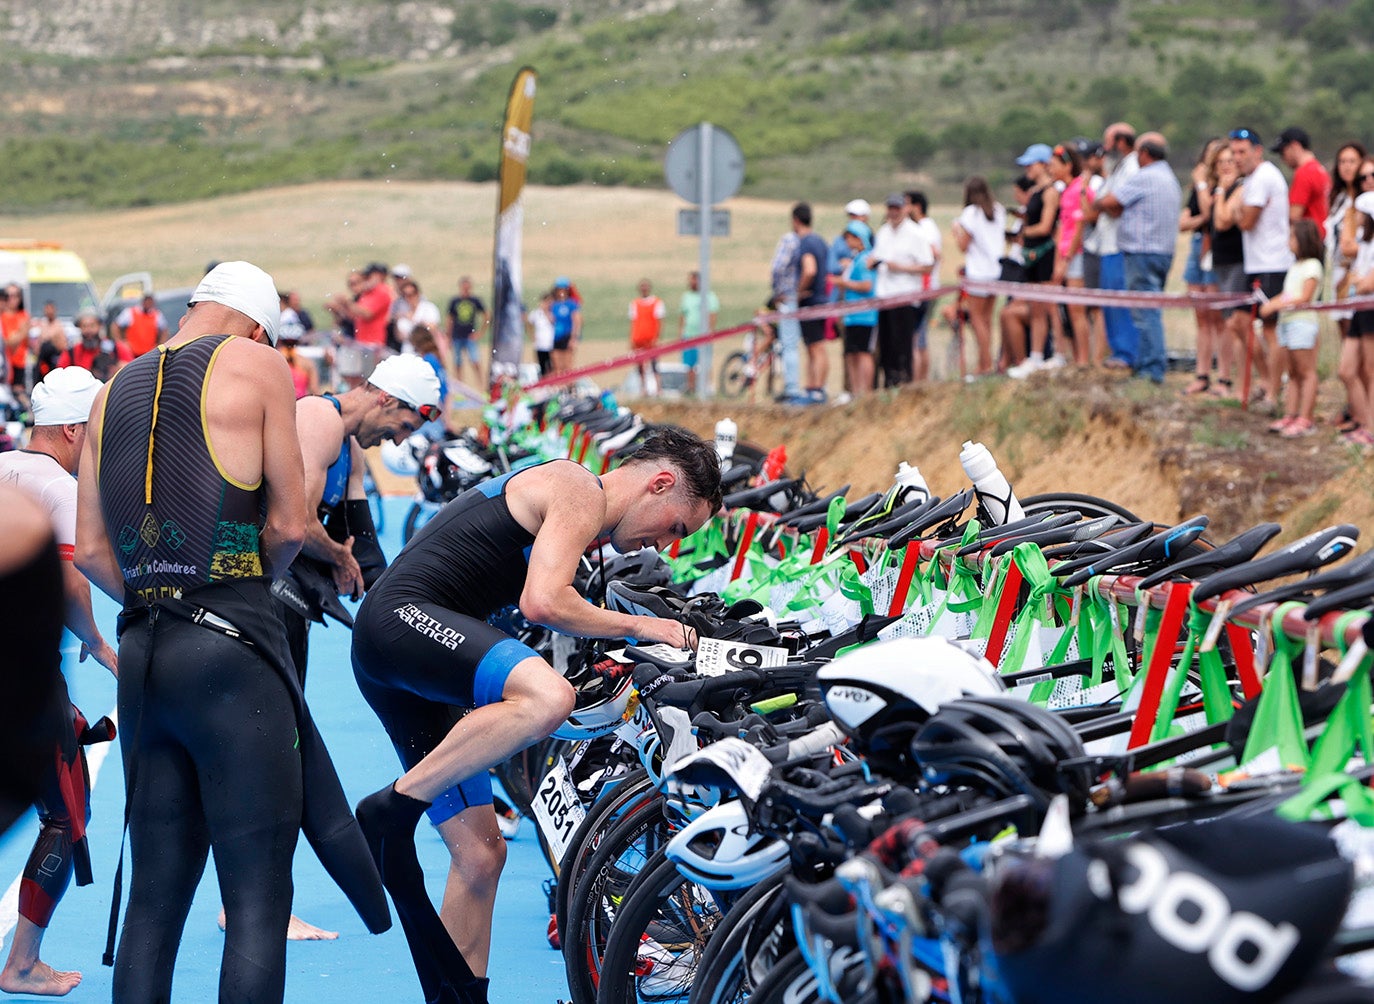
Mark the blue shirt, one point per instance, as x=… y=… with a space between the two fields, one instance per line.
x=1150 y=202
x=562 y=312
x=860 y=272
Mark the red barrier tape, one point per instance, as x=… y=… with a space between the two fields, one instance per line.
x=1021 y=291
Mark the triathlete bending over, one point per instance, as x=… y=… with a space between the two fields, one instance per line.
x=458 y=696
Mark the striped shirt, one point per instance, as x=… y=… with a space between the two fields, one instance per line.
x=1150 y=202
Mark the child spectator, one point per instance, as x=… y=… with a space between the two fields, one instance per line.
x=1297 y=329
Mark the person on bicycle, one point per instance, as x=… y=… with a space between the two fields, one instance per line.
x=457 y=695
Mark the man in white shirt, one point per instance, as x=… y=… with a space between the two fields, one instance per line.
x=917 y=205
x=1122 y=338
x=902 y=259
x=1263 y=218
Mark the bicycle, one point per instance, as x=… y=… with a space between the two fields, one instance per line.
x=753 y=365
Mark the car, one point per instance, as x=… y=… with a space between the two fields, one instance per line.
x=47 y=271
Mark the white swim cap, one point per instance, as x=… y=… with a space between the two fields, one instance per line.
x=409 y=379
x=246 y=288
x=64 y=397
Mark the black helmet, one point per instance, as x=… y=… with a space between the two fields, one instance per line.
x=1003 y=746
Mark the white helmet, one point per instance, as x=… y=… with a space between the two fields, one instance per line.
x=719 y=850
x=602 y=706
x=882 y=693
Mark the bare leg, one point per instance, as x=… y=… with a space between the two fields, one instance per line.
x=535 y=701
x=980 y=319
x=478 y=853
x=1353 y=379
x=25 y=973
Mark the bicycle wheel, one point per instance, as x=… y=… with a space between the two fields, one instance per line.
x=659 y=937
x=420 y=514
x=1089 y=505
x=634 y=789
x=734 y=377
x=729 y=970
x=592 y=909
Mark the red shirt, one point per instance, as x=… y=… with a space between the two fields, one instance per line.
x=1311 y=189
x=377 y=302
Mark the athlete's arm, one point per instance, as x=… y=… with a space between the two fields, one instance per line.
x=95 y=557
x=321 y=431
x=283 y=474
x=81 y=620
x=574 y=510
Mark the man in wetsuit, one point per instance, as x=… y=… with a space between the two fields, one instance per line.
x=192 y=494
x=457 y=696
x=340 y=552
x=61 y=404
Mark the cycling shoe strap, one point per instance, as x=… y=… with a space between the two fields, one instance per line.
x=1312 y=552
x=1239 y=549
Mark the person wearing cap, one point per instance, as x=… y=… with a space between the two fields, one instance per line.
x=1118 y=139
x=855 y=211
x=566 y=312
x=1309 y=196
x=860 y=327
x=901 y=258
x=61 y=405
x=1262 y=214
x=192 y=498
x=1037 y=238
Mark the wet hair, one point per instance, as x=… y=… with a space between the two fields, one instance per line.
x=690 y=454
x=976 y=193
x=1309 y=240
x=801 y=212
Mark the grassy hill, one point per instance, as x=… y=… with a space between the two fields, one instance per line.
x=139 y=102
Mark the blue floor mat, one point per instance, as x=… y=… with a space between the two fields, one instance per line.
x=358 y=966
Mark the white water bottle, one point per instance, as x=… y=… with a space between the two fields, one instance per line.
x=996 y=501
x=910 y=485
x=727 y=434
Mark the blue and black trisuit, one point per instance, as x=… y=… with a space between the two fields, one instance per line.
x=219 y=749
x=423 y=656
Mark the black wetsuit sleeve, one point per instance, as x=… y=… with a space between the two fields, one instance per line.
x=366 y=549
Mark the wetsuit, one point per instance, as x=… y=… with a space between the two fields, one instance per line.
x=307 y=591
x=423 y=655
x=64 y=803
x=216 y=740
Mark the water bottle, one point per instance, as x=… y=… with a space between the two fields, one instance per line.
x=996 y=503
x=727 y=435
x=909 y=485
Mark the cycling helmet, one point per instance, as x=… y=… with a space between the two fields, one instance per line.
x=601 y=706
x=404 y=459
x=1003 y=747
x=719 y=850
x=882 y=693
x=642 y=568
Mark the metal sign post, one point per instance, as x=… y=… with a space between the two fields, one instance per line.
x=704 y=165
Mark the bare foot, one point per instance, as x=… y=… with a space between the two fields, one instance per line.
x=40 y=980
x=297 y=930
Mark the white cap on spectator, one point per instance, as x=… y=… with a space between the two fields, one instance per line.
x=401 y=271
x=64 y=397
x=246 y=288
x=858 y=207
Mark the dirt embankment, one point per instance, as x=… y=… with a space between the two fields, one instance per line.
x=1161 y=456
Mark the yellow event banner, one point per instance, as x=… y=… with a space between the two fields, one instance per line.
x=508 y=320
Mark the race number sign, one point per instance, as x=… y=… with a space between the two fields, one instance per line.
x=716 y=657
x=557 y=809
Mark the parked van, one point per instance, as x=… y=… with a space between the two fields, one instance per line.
x=46 y=271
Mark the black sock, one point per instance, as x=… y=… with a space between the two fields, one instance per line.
x=388 y=820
